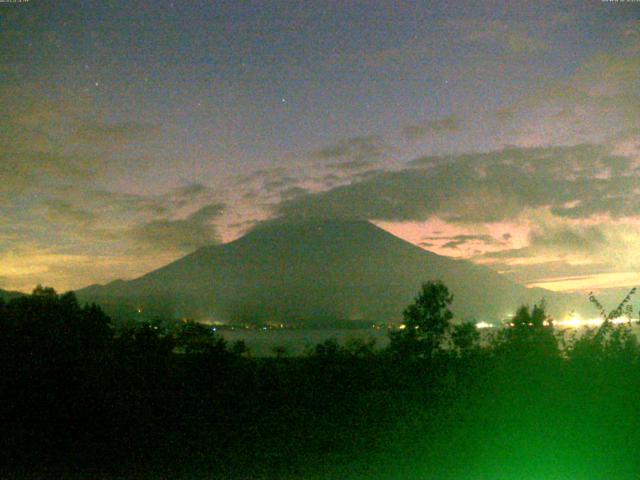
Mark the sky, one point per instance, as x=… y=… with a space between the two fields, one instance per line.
x=505 y=133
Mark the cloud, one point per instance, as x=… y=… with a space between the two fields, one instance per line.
x=292 y=193
x=536 y=213
x=207 y=213
x=108 y=134
x=51 y=139
x=583 y=180
x=77 y=236
x=33 y=152
x=599 y=101
x=353 y=153
x=193 y=193
x=586 y=239
x=459 y=240
x=515 y=37
x=25 y=266
x=595 y=101
x=450 y=124
x=181 y=235
x=268 y=181
x=59 y=211
x=559 y=250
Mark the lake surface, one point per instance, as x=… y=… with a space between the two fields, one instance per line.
x=298 y=341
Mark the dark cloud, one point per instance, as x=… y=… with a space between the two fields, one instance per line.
x=351 y=164
x=353 y=153
x=191 y=190
x=458 y=240
x=261 y=175
x=48 y=142
x=356 y=146
x=577 y=181
x=450 y=124
x=512 y=253
x=568 y=238
x=33 y=153
x=182 y=235
x=207 y=213
x=59 y=211
x=190 y=194
x=267 y=182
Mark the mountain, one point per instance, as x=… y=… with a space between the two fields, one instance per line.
x=318 y=272
x=7 y=295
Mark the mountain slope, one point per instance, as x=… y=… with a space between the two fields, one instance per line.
x=315 y=271
x=7 y=295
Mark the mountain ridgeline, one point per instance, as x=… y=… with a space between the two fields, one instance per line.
x=318 y=272
x=7 y=295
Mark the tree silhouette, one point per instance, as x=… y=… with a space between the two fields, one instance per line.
x=609 y=341
x=193 y=337
x=530 y=333
x=465 y=338
x=426 y=322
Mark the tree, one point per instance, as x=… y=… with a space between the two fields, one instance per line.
x=193 y=337
x=609 y=341
x=530 y=334
x=239 y=348
x=465 y=338
x=279 y=351
x=426 y=323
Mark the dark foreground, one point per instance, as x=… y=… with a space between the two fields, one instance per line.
x=80 y=399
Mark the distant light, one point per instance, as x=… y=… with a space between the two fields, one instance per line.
x=576 y=321
x=482 y=325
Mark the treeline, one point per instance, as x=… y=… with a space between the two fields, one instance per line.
x=82 y=396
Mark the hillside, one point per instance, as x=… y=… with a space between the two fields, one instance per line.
x=316 y=272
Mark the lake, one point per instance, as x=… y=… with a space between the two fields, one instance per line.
x=298 y=341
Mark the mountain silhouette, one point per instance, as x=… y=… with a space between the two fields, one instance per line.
x=7 y=295
x=315 y=272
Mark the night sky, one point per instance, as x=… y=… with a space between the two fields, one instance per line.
x=133 y=132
